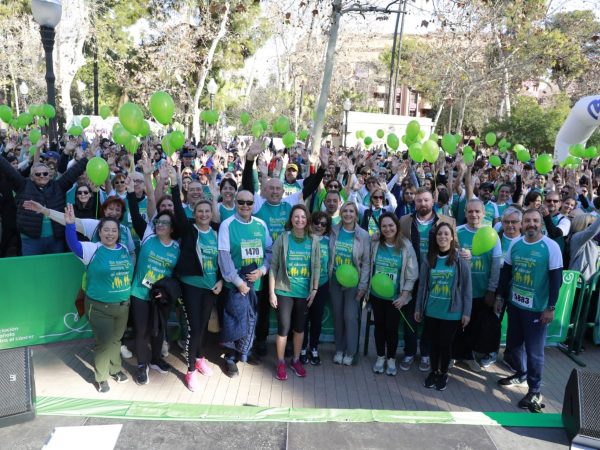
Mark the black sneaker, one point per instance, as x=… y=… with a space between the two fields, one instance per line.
x=160 y=365
x=532 y=401
x=442 y=382
x=141 y=376
x=513 y=380
x=303 y=357
x=430 y=381
x=260 y=348
x=314 y=357
x=102 y=387
x=120 y=377
x=254 y=359
x=231 y=369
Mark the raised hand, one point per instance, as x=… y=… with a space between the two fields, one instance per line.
x=254 y=150
x=69 y=214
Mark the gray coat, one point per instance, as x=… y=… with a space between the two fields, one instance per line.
x=584 y=251
x=462 y=295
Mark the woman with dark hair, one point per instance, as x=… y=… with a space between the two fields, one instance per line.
x=87 y=202
x=109 y=272
x=228 y=188
x=293 y=284
x=444 y=299
x=201 y=282
x=392 y=255
x=533 y=199
x=321 y=227
x=369 y=217
x=158 y=255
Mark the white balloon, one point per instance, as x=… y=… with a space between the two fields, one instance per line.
x=583 y=119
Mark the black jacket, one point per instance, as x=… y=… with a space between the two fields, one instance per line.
x=51 y=196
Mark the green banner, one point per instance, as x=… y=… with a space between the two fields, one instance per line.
x=38 y=300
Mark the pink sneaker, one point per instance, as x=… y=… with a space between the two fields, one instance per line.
x=298 y=368
x=191 y=381
x=203 y=367
x=281 y=372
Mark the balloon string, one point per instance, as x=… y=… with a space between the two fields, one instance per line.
x=407 y=322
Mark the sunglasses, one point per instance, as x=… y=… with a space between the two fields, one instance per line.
x=548 y=200
x=320 y=224
x=245 y=202
x=510 y=222
x=377 y=197
x=41 y=174
x=164 y=223
x=83 y=193
x=119 y=182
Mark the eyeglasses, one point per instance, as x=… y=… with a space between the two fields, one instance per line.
x=409 y=193
x=510 y=222
x=550 y=200
x=320 y=224
x=138 y=181
x=41 y=174
x=377 y=197
x=163 y=223
x=245 y=202
x=83 y=193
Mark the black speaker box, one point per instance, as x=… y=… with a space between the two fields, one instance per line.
x=17 y=390
x=581 y=408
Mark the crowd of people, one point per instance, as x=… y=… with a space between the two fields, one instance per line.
x=240 y=229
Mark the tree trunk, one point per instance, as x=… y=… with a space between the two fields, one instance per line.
x=71 y=34
x=437 y=116
x=14 y=86
x=206 y=66
x=505 y=102
x=461 y=111
x=327 y=72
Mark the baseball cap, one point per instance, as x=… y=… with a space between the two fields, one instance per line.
x=292 y=166
x=51 y=155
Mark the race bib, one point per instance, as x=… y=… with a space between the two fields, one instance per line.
x=251 y=249
x=392 y=274
x=522 y=298
x=147 y=283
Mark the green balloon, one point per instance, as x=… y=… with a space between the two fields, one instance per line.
x=85 y=122
x=162 y=107
x=32 y=150
x=357 y=134
x=591 y=152
x=35 y=110
x=490 y=139
x=518 y=148
x=347 y=275
x=449 y=144
x=281 y=125
x=145 y=129
x=577 y=150
x=495 y=161
x=289 y=139
x=49 y=112
x=132 y=144
x=382 y=286
x=421 y=135
x=415 y=151
x=75 y=130
x=209 y=149
x=257 y=129
x=368 y=141
x=131 y=117
x=244 y=117
x=434 y=137
x=484 y=240
x=412 y=129
x=176 y=139
x=431 y=151
x=468 y=154
x=380 y=134
x=104 y=112
x=42 y=122
x=523 y=156
x=34 y=136
x=458 y=138
x=303 y=135
x=392 y=141
x=97 y=170
x=5 y=113
x=211 y=116
x=166 y=145
x=543 y=163
x=477 y=141
x=120 y=135
x=24 y=119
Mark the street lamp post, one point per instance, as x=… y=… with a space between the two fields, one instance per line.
x=47 y=14
x=347 y=105
x=24 y=91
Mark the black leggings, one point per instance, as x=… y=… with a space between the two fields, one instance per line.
x=197 y=306
x=387 y=321
x=314 y=318
x=440 y=334
x=290 y=313
x=142 y=325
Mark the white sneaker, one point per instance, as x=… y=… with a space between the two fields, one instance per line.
x=347 y=361
x=488 y=360
x=338 y=358
x=164 y=351
x=406 y=362
x=425 y=364
x=391 y=367
x=379 y=364
x=125 y=353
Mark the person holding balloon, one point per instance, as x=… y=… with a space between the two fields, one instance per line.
x=482 y=335
x=443 y=300
x=348 y=280
x=394 y=271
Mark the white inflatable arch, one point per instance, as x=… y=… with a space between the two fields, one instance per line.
x=583 y=119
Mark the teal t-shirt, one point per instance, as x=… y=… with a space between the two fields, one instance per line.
x=156 y=261
x=123 y=235
x=424 y=230
x=275 y=216
x=388 y=262
x=501 y=208
x=291 y=188
x=531 y=262
x=343 y=248
x=367 y=199
x=505 y=244
x=491 y=213
x=225 y=212
x=324 y=247
x=189 y=213
x=336 y=220
x=459 y=203
x=481 y=265
x=109 y=275
x=373 y=226
x=206 y=245
x=298 y=267
x=441 y=280
x=71 y=195
x=46 y=228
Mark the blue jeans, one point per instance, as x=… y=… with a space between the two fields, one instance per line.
x=41 y=246
x=526 y=337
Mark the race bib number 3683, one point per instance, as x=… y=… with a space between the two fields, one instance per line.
x=522 y=298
